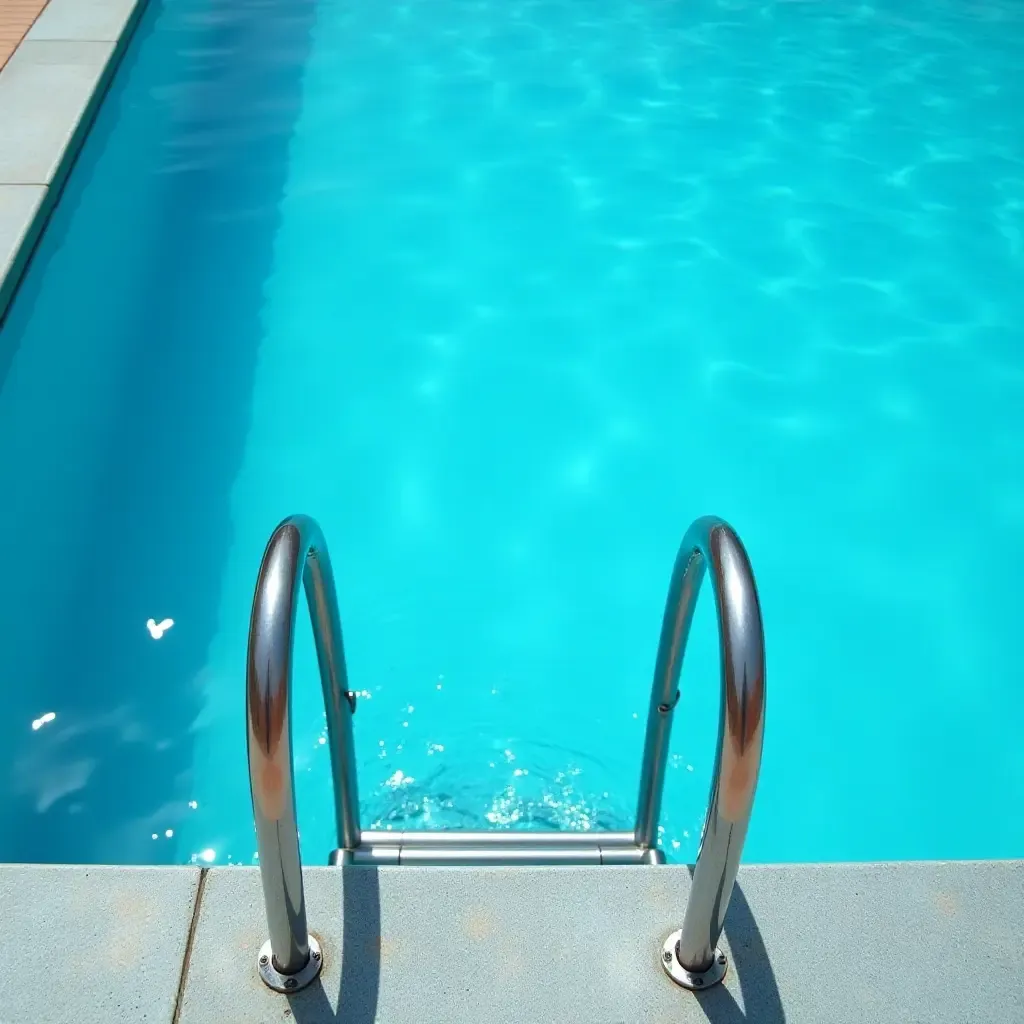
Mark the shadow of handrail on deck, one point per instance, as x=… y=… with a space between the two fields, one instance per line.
x=762 y=1001
x=359 y=987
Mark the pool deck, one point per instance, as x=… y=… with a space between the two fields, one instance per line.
x=936 y=942
x=64 y=54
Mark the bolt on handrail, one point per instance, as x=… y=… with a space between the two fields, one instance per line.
x=296 y=555
x=691 y=956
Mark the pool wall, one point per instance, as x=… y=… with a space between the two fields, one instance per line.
x=817 y=942
x=50 y=90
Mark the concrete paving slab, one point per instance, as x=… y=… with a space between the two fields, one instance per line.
x=93 y=945
x=16 y=18
x=82 y=20
x=45 y=89
x=838 y=943
x=18 y=207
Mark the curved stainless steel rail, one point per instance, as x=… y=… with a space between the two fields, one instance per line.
x=691 y=956
x=296 y=555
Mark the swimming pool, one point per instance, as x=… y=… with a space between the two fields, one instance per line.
x=505 y=294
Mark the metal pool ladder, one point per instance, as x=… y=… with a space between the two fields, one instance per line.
x=296 y=556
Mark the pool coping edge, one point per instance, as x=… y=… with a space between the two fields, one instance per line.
x=858 y=943
x=25 y=229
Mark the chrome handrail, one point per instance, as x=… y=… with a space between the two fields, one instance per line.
x=690 y=955
x=297 y=552
x=296 y=555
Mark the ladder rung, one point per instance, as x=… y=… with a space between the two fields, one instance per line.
x=495 y=853
x=456 y=837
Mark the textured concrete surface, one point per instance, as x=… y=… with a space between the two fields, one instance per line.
x=81 y=945
x=83 y=20
x=18 y=206
x=837 y=943
x=44 y=91
x=807 y=943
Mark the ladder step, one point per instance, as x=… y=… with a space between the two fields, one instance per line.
x=493 y=854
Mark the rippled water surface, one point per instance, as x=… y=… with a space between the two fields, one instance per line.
x=505 y=294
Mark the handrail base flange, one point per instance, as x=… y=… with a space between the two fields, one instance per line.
x=288 y=983
x=696 y=981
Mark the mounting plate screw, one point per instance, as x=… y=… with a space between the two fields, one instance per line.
x=289 y=983
x=682 y=975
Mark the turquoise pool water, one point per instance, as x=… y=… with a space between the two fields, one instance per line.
x=505 y=294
